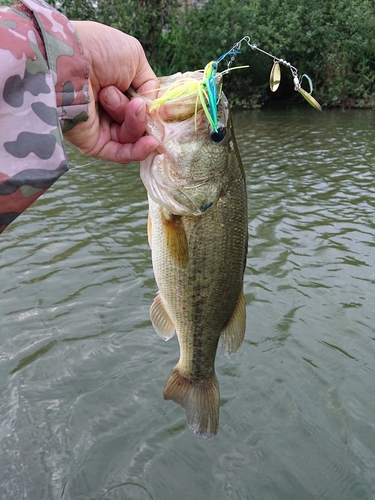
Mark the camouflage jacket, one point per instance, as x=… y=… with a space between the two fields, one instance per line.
x=43 y=92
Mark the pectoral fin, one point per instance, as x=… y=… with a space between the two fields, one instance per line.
x=233 y=334
x=149 y=230
x=160 y=319
x=175 y=238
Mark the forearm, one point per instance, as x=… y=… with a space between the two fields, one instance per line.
x=43 y=87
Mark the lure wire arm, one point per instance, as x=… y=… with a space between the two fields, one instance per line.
x=236 y=49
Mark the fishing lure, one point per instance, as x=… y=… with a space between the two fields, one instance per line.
x=208 y=88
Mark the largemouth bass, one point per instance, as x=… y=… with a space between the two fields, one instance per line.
x=198 y=237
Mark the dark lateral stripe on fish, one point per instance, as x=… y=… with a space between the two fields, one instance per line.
x=200 y=399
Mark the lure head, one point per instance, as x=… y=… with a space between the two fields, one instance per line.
x=181 y=95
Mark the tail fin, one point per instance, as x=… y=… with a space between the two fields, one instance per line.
x=199 y=399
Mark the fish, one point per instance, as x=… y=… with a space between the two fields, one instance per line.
x=198 y=235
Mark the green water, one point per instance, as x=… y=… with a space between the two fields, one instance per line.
x=82 y=372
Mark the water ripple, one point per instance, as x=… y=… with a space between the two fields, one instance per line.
x=82 y=371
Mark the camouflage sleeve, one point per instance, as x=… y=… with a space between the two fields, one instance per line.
x=43 y=91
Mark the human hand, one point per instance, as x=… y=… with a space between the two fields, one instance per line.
x=115 y=128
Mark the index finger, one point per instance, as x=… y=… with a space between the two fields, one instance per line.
x=149 y=89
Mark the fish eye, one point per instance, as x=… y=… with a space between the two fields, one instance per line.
x=219 y=136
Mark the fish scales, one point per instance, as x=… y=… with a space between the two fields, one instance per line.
x=198 y=237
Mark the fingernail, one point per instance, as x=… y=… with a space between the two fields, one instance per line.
x=159 y=150
x=112 y=97
x=141 y=113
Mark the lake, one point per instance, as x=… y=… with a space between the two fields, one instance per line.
x=82 y=371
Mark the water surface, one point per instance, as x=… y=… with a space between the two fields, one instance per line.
x=82 y=371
